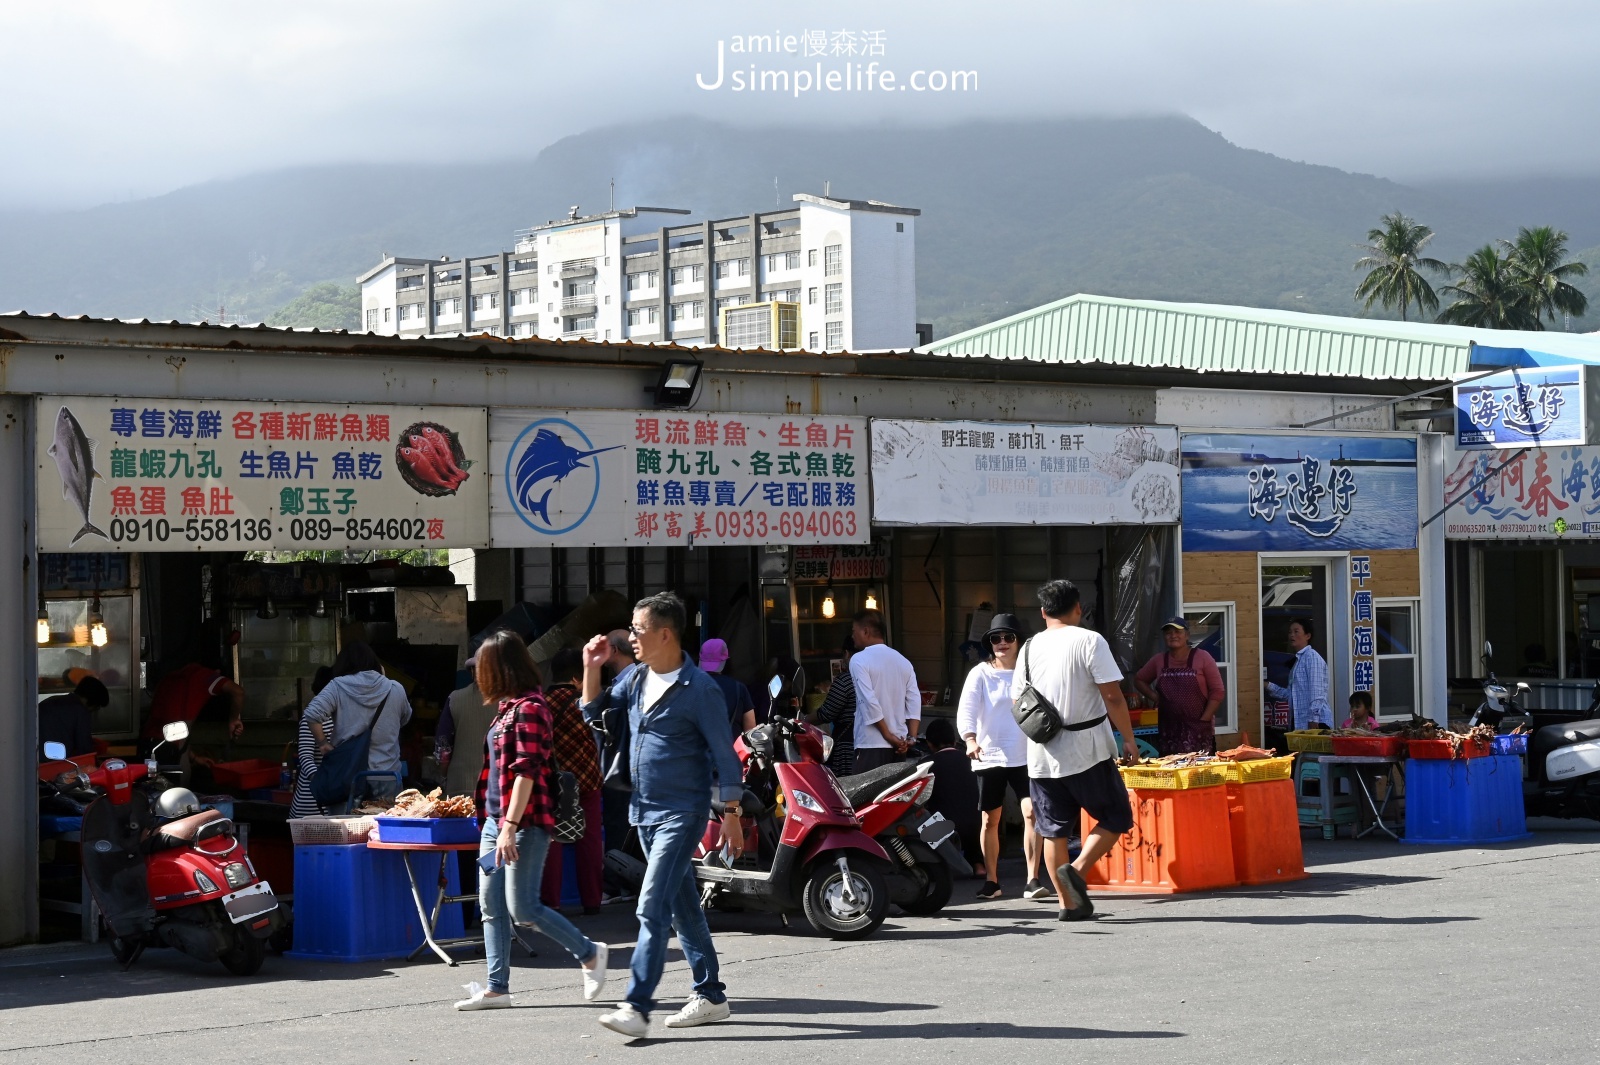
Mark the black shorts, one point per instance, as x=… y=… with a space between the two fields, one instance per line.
x=1097 y=791
x=993 y=781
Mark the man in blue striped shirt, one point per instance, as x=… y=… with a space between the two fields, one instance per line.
x=1307 y=692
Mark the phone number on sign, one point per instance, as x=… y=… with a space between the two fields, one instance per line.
x=758 y=524
x=260 y=530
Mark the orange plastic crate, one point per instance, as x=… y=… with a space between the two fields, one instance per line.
x=1180 y=841
x=1265 y=825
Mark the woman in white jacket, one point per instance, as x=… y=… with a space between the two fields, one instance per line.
x=999 y=751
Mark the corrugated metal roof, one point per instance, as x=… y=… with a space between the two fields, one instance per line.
x=1207 y=337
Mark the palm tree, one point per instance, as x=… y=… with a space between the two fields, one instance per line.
x=1539 y=267
x=1487 y=294
x=1394 y=262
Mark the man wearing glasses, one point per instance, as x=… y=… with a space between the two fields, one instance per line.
x=999 y=752
x=677 y=736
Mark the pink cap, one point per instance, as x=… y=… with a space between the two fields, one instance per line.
x=713 y=656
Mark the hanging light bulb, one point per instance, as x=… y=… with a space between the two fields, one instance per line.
x=828 y=609
x=321 y=609
x=42 y=628
x=98 y=635
x=871 y=602
x=268 y=611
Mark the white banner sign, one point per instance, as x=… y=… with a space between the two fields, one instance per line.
x=200 y=475
x=618 y=478
x=1007 y=473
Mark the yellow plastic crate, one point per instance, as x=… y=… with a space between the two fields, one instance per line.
x=1310 y=741
x=1157 y=778
x=1261 y=769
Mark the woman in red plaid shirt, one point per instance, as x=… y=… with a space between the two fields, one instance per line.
x=515 y=793
x=578 y=754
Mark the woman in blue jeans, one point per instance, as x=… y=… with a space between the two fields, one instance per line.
x=515 y=795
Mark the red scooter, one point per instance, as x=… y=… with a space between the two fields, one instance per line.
x=891 y=802
x=165 y=873
x=814 y=859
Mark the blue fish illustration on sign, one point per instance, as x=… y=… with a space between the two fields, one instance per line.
x=548 y=458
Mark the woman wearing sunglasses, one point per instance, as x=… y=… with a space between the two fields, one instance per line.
x=1000 y=752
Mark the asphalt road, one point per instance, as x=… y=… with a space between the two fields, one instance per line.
x=1387 y=952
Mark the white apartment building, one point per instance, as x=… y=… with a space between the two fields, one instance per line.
x=645 y=274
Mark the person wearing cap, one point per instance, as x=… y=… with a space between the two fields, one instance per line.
x=741 y=709
x=999 y=752
x=1187 y=686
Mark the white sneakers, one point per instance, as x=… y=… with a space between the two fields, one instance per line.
x=478 y=998
x=698 y=1011
x=594 y=979
x=625 y=1020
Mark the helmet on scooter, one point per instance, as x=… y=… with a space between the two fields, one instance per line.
x=177 y=802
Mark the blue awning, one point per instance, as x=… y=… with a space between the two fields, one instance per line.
x=1487 y=358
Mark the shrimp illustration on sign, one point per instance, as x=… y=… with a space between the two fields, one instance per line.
x=73 y=452
x=548 y=458
x=430 y=459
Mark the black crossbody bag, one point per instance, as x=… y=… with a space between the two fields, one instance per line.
x=1037 y=716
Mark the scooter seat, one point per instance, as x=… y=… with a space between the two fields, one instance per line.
x=186 y=830
x=862 y=788
x=1552 y=737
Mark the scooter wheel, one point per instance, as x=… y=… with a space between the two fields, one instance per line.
x=841 y=910
x=244 y=958
x=935 y=894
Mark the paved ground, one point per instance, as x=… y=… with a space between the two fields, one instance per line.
x=1388 y=952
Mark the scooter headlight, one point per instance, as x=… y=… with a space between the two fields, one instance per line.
x=804 y=800
x=237 y=875
x=204 y=882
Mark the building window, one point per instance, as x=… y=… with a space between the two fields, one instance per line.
x=689 y=310
x=833 y=260
x=899 y=227
x=521 y=265
x=1211 y=629
x=521 y=297
x=372 y=319
x=732 y=268
x=580 y=324
x=1397 y=657
x=644 y=279
x=791 y=260
x=580 y=288
x=386 y=315
x=811 y=295
x=811 y=257
x=833 y=335
x=783 y=260
x=485 y=301
x=687 y=275
x=642 y=315
x=784 y=295
x=813 y=342
x=444 y=308
x=835 y=299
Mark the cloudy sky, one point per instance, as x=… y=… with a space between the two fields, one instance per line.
x=115 y=99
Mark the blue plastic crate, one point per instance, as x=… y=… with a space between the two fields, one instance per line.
x=1510 y=744
x=428 y=829
x=352 y=903
x=1469 y=800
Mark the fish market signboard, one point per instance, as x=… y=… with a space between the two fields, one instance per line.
x=630 y=478
x=1532 y=494
x=1538 y=406
x=200 y=475
x=1015 y=473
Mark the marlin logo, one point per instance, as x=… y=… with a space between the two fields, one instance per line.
x=548 y=458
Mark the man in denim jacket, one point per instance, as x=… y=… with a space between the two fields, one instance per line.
x=678 y=735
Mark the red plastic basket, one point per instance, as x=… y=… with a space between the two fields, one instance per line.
x=1369 y=746
x=1440 y=749
x=247 y=775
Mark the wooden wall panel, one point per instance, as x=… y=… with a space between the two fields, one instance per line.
x=1396 y=574
x=1233 y=577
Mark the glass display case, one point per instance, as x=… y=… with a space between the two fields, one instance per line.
x=71 y=649
x=276 y=658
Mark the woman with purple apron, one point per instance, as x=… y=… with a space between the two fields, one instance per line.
x=1187 y=686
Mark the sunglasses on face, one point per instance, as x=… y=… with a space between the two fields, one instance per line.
x=636 y=632
x=1003 y=637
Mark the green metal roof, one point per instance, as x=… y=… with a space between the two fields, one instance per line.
x=1200 y=336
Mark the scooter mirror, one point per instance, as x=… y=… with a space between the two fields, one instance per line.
x=175 y=731
x=55 y=752
x=775 y=686
x=1488 y=649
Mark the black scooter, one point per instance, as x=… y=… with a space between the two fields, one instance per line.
x=1563 y=763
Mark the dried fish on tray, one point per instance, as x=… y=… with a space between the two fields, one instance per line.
x=412 y=803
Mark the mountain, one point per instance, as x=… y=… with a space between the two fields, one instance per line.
x=1013 y=214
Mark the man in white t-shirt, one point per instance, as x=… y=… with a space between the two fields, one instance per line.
x=1076 y=771
x=888 y=702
